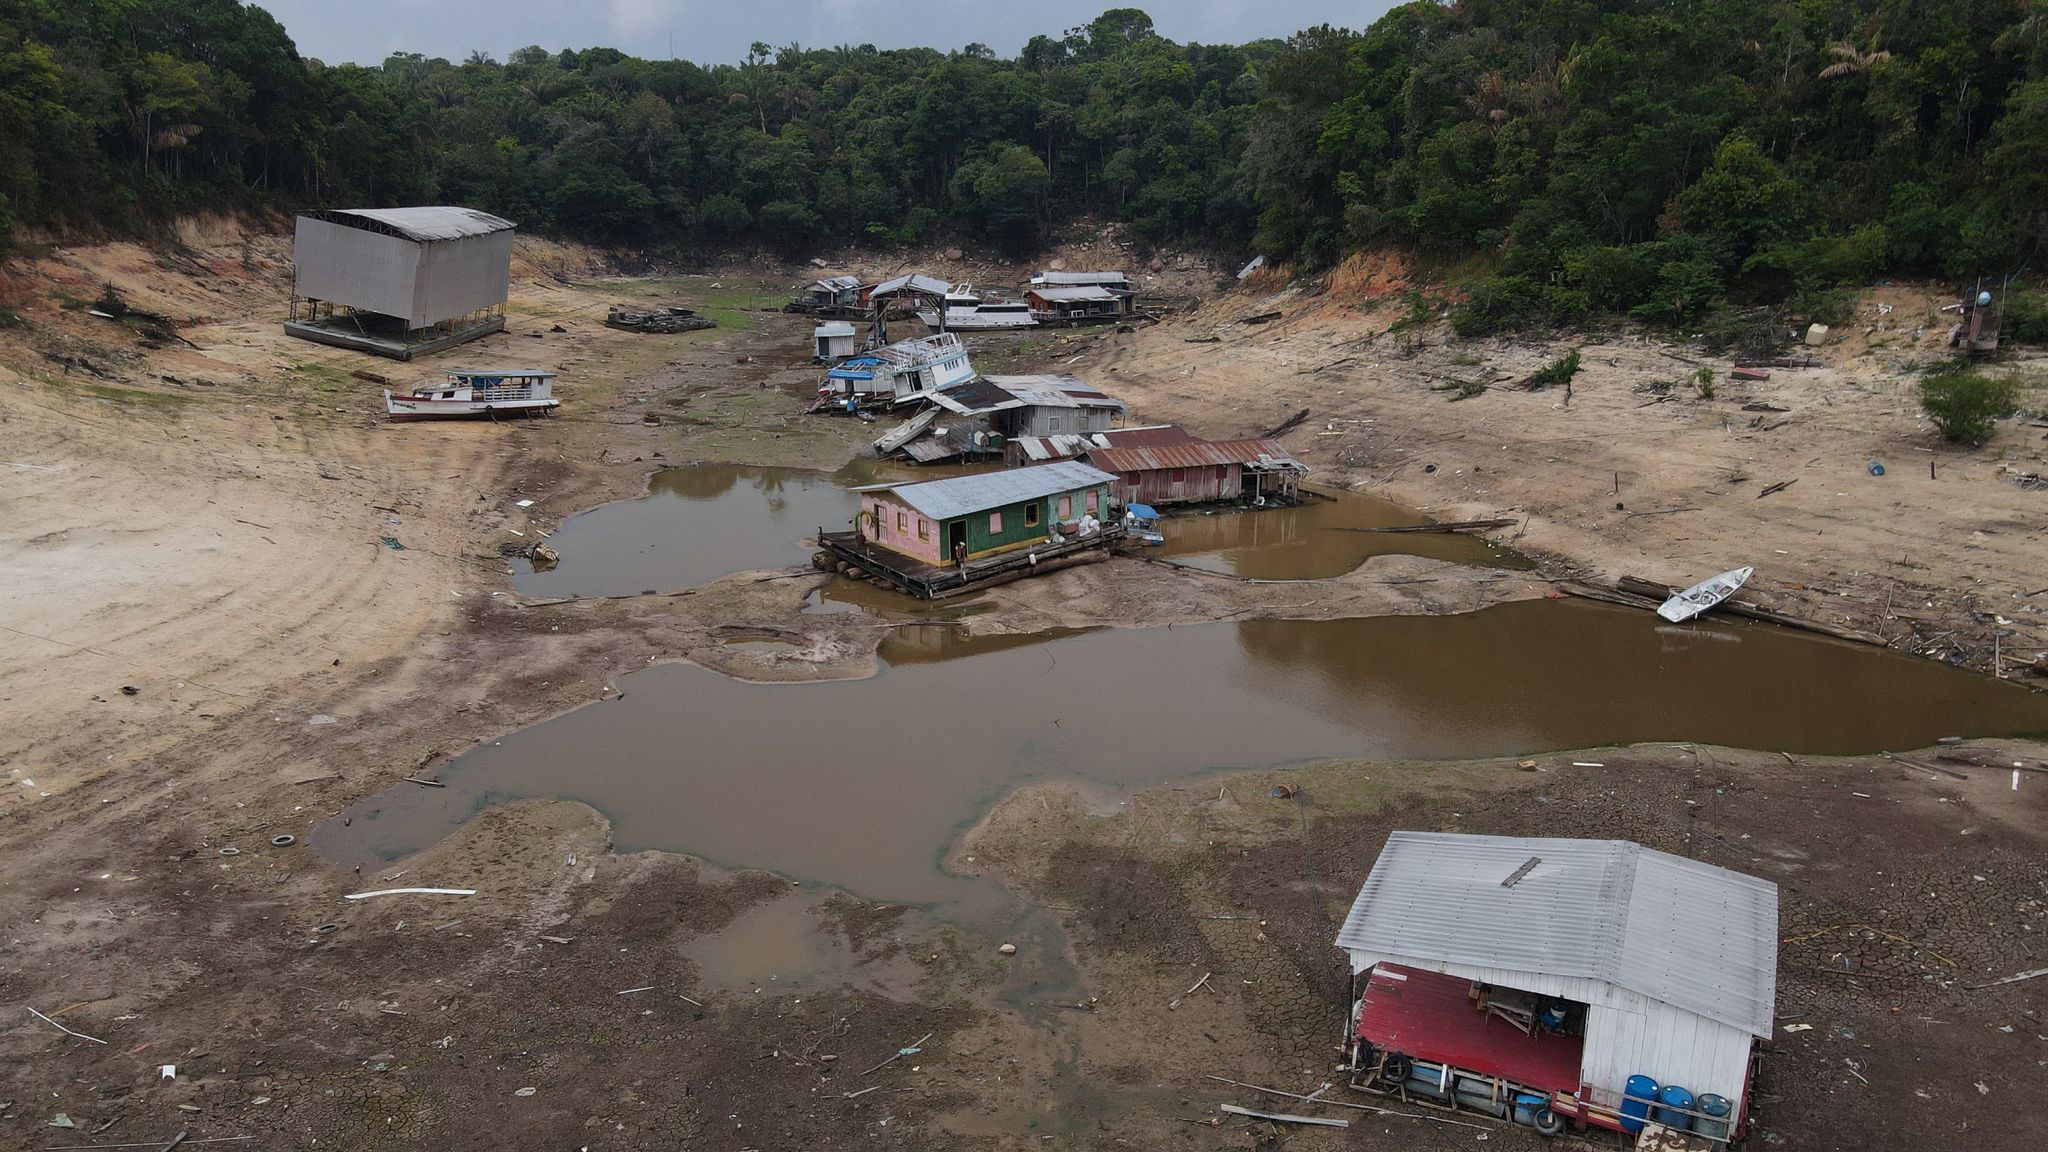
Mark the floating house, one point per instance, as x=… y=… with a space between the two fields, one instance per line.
x=832 y=340
x=1076 y=305
x=1197 y=471
x=399 y=282
x=1082 y=297
x=833 y=296
x=981 y=415
x=1560 y=982
x=937 y=537
x=896 y=373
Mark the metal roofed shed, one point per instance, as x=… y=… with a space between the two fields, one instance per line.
x=959 y=495
x=1665 y=967
x=399 y=282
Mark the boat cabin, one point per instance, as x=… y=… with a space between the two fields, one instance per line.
x=967 y=518
x=481 y=392
x=899 y=371
x=1549 y=981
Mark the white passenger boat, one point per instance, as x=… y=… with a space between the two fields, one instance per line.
x=966 y=311
x=490 y=392
x=1691 y=602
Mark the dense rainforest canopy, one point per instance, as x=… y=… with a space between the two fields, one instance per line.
x=1646 y=156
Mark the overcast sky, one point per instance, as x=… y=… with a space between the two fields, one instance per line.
x=719 y=31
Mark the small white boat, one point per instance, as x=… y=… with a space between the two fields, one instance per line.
x=965 y=311
x=493 y=392
x=1691 y=602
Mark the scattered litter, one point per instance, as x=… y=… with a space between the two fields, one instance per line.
x=523 y=503
x=1798 y=1027
x=1283 y=791
x=167 y=1071
x=558 y=939
x=1983 y=1089
x=284 y=840
x=911 y=1050
x=231 y=851
x=320 y=718
x=526 y=1092
x=630 y=991
x=1526 y=765
x=130 y=690
x=62 y=1121
x=1587 y=764
x=1008 y=949
x=411 y=891
x=1876 y=469
x=392 y=543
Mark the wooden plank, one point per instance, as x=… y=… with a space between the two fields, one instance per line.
x=1284 y=1117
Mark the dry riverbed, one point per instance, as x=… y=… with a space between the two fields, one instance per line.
x=214 y=528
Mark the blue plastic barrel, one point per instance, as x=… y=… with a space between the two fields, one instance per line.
x=1713 y=1123
x=1670 y=1100
x=1636 y=1108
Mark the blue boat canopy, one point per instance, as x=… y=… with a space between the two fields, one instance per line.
x=1142 y=511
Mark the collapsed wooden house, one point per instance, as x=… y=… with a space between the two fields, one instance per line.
x=979 y=416
x=834 y=297
x=936 y=538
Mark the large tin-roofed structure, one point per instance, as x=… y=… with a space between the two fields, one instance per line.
x=1676 y=960
x=399 y=281
x=961 y=495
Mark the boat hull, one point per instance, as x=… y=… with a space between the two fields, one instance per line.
x=979 y=322
x=422 y=408
x=1704 y=595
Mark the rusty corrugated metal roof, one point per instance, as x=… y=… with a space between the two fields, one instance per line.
x=1190 y=453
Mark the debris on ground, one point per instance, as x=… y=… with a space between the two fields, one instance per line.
x=660 y=320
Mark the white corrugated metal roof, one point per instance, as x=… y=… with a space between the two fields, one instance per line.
x=426 y=223
x=914 y=282
x=961 y=495
x=1080 y=278
x=1691 y=935
x=835 y=328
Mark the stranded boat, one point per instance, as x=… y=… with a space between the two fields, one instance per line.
x=967 y=312
x=1685 y=605
x=886 y=375
x=494 y=392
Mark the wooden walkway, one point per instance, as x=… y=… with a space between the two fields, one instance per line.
x=932 y=582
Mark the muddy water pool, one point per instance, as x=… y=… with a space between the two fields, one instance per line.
x=864 y=784
x=701 y=522
x=1315 y=540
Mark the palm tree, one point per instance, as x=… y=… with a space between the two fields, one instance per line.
x=1849 y=61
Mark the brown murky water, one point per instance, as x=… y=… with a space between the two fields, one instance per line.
x=864 y=784
x=1316 y=540
x=699 y=523
x=705 y=521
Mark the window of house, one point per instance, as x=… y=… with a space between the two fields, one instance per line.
x=903 y=521
x=1066 y=507
x=924 y=528
x=1052 y=424
x=1031 y=515
x=995 y=523
x=1091 y=501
